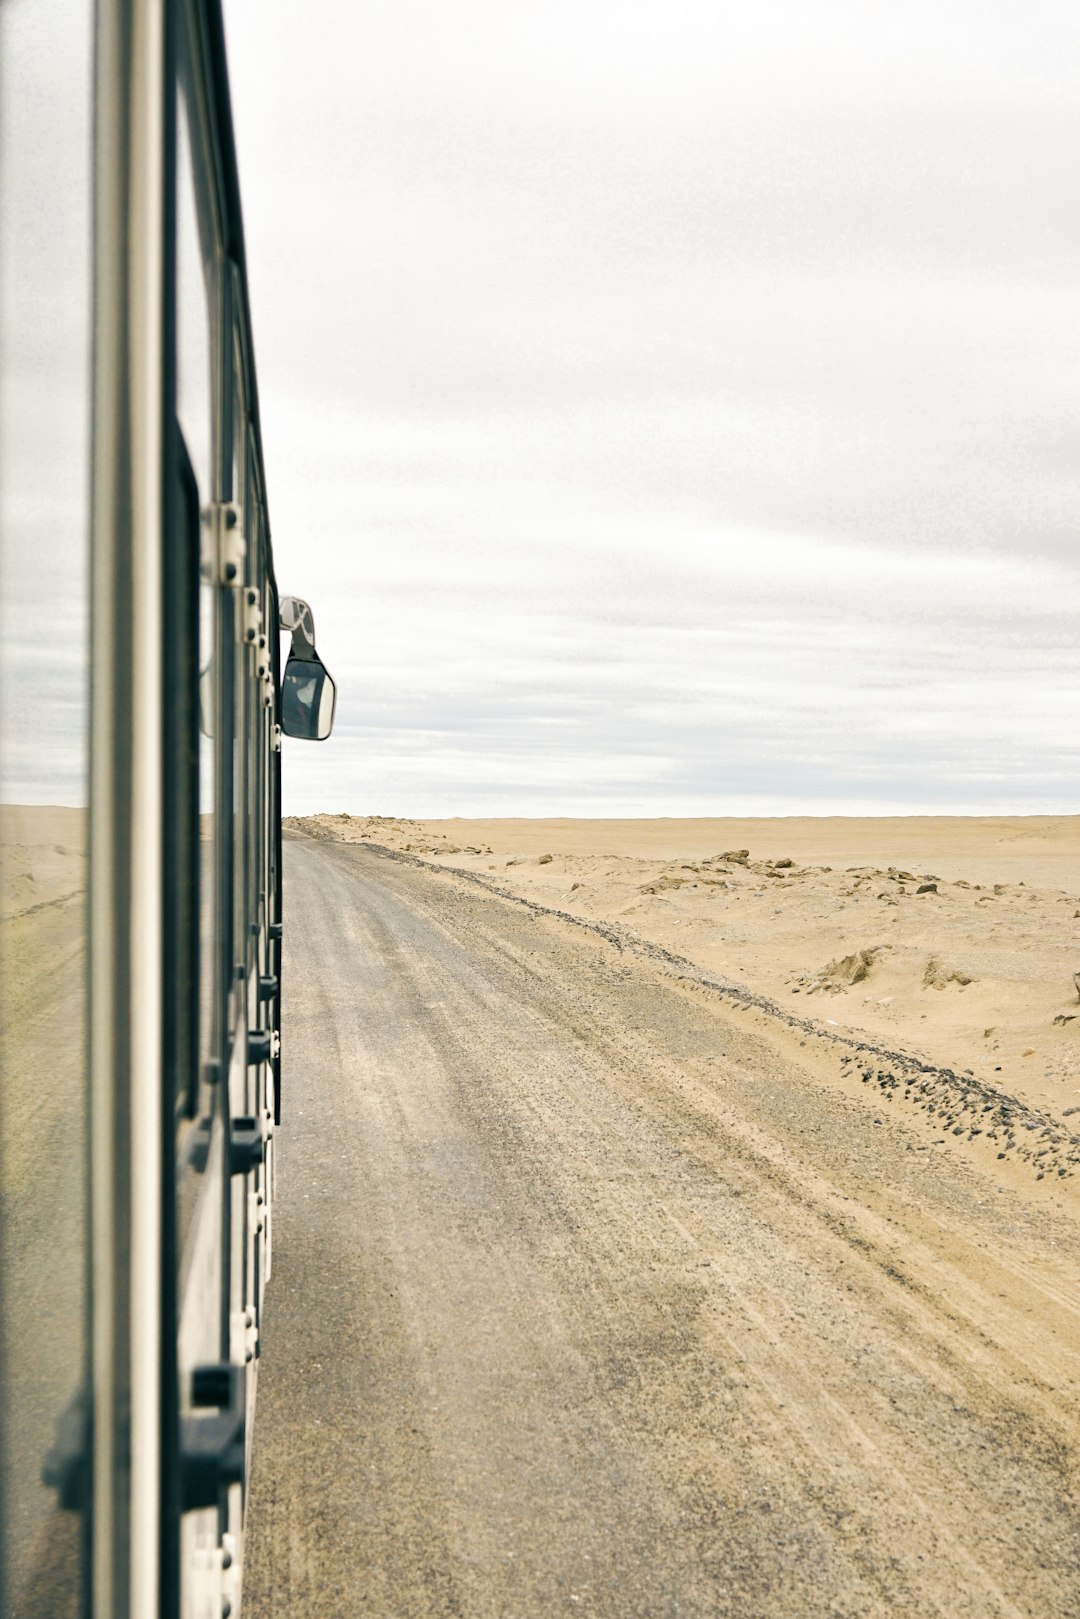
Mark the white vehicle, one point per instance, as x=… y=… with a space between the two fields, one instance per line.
x=123 y=1490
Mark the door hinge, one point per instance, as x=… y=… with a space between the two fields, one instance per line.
x=247 y=1145
x=259 y=1046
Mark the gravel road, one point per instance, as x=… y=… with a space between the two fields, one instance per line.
x=588 y=1300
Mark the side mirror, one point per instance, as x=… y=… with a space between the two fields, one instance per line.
x=308 y=695
x=308 y=699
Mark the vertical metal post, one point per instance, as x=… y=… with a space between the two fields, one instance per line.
x=125 y=806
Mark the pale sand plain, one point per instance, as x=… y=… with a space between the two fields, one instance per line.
x=806 y=925
x=954 y=939
x=976 y=972
x=42 y=856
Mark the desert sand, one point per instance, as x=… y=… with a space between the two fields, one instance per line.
x=582 y=1286
x=42 y=856
x=892 y=1309
x=954 y=939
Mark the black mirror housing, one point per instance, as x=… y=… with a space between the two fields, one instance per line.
x=308 y=699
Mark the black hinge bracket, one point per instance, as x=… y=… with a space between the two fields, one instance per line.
x=259 y=1046
x=246 y=1145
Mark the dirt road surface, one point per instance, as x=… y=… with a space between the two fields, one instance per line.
x=588 y=1299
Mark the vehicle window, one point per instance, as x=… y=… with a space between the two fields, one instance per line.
x=46 y=59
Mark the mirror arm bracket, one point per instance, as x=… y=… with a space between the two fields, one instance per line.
x=302 y=648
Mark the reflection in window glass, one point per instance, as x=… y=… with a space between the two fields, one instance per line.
x=195 y=411
x=194 y=363
x=45 y=146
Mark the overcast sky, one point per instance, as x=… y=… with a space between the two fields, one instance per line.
x=672 y=408
x=667 y=408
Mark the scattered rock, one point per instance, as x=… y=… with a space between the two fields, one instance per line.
x=841 y=974
x=926 y=888
x=854 y=968
x=936 y=976
x=1065 y=1017
x=545 y=860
